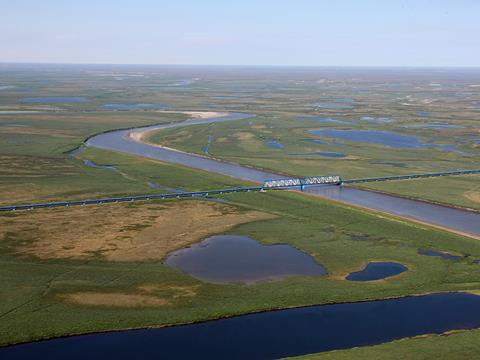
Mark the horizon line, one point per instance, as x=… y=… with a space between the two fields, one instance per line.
x=241 y=65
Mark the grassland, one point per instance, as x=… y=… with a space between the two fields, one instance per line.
x=71 y=271
x=454 y=345
x=246 y=142
x=41 y=294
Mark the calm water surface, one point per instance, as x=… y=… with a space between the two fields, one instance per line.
x=240 y=259
x=273 y=334
x=377 y=271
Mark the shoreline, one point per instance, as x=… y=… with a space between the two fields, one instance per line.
x=233 y=315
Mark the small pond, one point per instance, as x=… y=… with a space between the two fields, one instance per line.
x=321 y=153
x=331 y=106
x=206 y=149
x=378 y=120
x=53 y=99
x=135 y=106
x=91 y=164
x=240 y=259
x=274 y=144
x=424 y=113
x=442 y=255
x=377 y=271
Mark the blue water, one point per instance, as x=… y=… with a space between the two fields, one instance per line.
x=316 y=141
x=378 y=120
x=322 y=119
x=240 y=259
x=321 y=153
x=372 y=136
x=331 y=106
x=377 y=271
x=77 y=151
x=91 y=164
x=271 y=334
x=53 y=99
x=274 y=144
x=348 y=101
x=436 y=126
x=424 y=113
x=442 y=255
x=207 y=147
x=135 y=106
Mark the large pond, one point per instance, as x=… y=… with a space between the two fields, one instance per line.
x=386 y=138
x=272 y=334
x=377 y=271
x=240 y=259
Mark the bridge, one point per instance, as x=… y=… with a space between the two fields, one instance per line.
x=276 y=184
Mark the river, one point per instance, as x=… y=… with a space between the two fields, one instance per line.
x=121 y=140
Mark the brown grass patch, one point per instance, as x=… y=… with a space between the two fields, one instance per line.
x=34 y=131
x=120 y=232
x=114 y=299
x=473 y=196
x=147 y=295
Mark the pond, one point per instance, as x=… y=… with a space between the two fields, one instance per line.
x=386 y=138
x=378 y=120
x=53 y=99
x=424 y=113
x=435 y=126
x=272 y=334
x=377 y=271
x=321 y=153
x=91 y=164
x=240 y=259
x=331 y=106
x=135 y=106
x=206 y=149
x=274 y=144
x=442 y=255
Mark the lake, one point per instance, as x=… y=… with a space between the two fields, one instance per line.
x=240 y=259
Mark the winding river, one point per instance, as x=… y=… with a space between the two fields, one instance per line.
x=128 y=141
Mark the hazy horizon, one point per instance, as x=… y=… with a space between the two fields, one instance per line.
x=371 y=33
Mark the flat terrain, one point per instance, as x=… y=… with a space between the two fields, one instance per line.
x=98 y=268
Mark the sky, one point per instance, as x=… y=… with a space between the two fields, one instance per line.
x=242 y=32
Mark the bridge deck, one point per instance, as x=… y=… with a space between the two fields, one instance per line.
x=226 y=191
